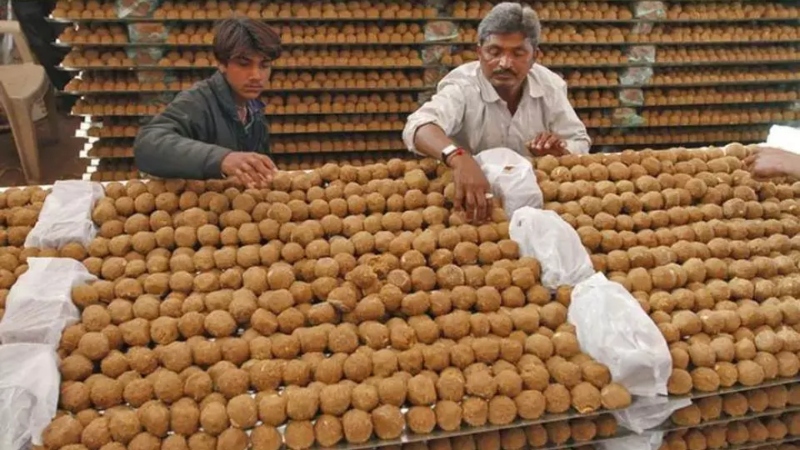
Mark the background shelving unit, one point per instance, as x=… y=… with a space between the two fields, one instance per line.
x=658 y=74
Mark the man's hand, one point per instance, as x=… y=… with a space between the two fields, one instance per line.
x=253 y=170
x=547 y=143
x=769 y=162
x=471 y=188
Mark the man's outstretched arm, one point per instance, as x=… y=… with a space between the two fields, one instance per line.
x=171 y=145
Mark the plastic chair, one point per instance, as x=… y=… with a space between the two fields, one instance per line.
x=21 y=85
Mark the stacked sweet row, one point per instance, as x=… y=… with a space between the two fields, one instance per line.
x=393 y=46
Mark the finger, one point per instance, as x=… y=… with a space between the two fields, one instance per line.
x=259 y=169
x=234 y=180
x=538 y=150
x=472 y=205
x=552 y=142
x=540 y=140
x=458 y=199
x=480 y=197
x=270 y=163
x=530 y=146
x=244 y=177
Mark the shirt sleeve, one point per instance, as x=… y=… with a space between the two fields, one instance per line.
x=565 y=123
x=172 y=144
x=445 y=109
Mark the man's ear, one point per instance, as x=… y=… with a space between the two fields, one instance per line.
x=221 y=67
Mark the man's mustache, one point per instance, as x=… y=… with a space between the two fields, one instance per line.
x=503 y=72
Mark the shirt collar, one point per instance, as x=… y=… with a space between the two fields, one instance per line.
x=489 y=95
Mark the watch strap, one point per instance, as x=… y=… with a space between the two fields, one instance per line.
x=451 y=150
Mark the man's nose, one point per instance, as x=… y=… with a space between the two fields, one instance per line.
x=505 y=61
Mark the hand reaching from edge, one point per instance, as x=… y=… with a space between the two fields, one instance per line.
x=253 y=170
x=769 y=162
x=547 y=143
x=471 y=189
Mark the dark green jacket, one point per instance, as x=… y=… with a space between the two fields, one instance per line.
x=196 y=131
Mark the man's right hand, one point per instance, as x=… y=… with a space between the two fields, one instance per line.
x=471 y=188
x=254 y=170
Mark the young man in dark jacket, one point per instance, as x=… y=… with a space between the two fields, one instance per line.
x=217 y=128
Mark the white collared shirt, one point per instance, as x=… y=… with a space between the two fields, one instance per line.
x=469 y=110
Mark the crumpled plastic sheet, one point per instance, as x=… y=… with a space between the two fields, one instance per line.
x=644 y=54
x=66 y=215
x=613 y=329
x=649 y=412
x=145 y=56
x=626 y=117
x=545 y=236
x=650 y=10
x=440 y=30
x=642 y=28
x=39 y=305
x=783 y=137
x=29 y=389
x=433 y=54
x=512 y=178
x=136 y=8
x=147 y=33
x=631 y=97
x=635 y=76
x=647 y=441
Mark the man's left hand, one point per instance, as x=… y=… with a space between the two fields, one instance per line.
x=547 y=143
x=769 y=162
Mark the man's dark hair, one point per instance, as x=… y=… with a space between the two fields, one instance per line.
x=242 y=36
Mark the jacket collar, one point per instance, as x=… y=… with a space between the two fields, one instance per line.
x=224 y=94
x=489 y=95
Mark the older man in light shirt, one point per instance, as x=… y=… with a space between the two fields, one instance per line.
x=502 y=100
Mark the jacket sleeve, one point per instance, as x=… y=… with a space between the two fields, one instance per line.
x=174 y=143
x=564 y=122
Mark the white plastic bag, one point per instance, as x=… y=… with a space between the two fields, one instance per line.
x=512 y=178
x=647 y=441
x=39 y=305
x=614 y=330
x=66 y=215
x=649 y=412
x=29 y=382
x=548 y=238
x=783 y=137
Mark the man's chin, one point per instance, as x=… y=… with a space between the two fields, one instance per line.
x=251 y=94
x=504 y=82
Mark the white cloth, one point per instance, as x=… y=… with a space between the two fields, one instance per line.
x=470 y=112
x=783 y=137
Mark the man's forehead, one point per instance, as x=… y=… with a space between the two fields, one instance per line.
x=251 y=56
x=506 y=40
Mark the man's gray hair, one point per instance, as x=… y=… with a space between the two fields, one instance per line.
x=510 y=17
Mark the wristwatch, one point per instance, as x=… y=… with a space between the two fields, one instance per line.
x=449 y=151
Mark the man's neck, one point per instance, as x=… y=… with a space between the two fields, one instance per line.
x=239 y=101
x=512 y=96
